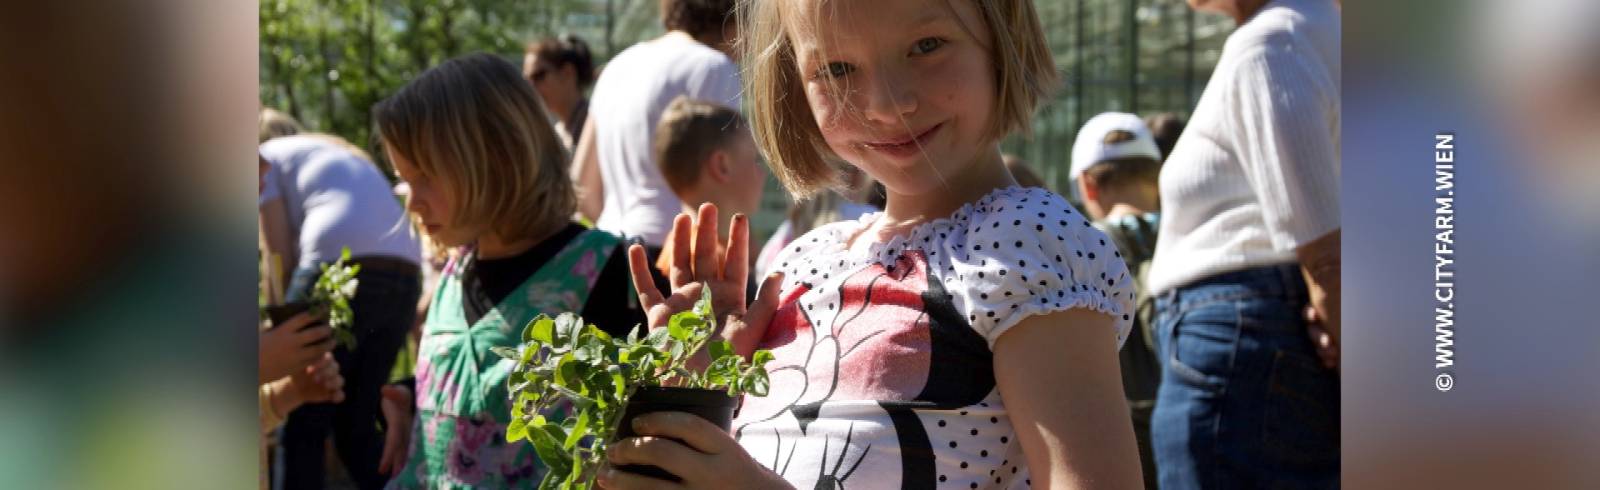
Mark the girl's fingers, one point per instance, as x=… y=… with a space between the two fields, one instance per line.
x=313 y=335
x=695 y=433
x=736 y=266
x=611 y=478
x=682 y=247
x=707 y=264
x=753 y=324
x=298 y=321
x=667 y=454
x=643 y=282
x=766 y=300
x=310 y=353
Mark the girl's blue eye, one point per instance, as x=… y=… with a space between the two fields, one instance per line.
x=835 y=69
x=927 y=45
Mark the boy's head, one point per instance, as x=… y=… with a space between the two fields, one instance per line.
x=472 y=140
x=709 y=21
x=910 y=102
x=1115 y=161
x=706 y=154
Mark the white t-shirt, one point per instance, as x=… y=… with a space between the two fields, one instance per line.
x=628 y=99
x=335 y=199
x=883 y=376
x=1256 y=172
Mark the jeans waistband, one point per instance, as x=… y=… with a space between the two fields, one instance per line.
x=1282 y=281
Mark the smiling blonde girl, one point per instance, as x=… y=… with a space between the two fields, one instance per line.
x=965 y=337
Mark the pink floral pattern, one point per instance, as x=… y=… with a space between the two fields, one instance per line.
x=458 y=438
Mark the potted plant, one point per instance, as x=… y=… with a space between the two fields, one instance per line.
x=575 y=389
x=331 y=295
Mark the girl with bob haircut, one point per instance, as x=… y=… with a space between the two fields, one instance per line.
x=966 y=336
x=488 y=174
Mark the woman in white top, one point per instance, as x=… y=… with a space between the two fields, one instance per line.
x=1248 y=253
x=620 y=185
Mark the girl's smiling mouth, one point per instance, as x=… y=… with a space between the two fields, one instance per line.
x=907 y=146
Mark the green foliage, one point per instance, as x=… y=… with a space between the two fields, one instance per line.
x=327 y=62
x=563 y=358
x=332 y=293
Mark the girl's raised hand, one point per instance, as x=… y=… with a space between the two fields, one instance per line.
x=697 y=263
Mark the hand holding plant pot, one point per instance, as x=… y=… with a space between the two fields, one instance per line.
x=330 y=299
x=292 y=345
x=599 y=382
x=700 y=454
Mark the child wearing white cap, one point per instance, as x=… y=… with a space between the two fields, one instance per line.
x=1116 y=170
x=1116 y=167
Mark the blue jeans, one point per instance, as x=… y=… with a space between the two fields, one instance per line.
x=385 y=306
x=1243 y=402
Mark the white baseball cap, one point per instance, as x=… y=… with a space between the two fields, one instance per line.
x=1091 y=148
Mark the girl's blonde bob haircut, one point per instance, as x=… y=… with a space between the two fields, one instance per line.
x=475 y=125
x=782 y=121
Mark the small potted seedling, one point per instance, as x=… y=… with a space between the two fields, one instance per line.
x=331 y=295
x=576 y=389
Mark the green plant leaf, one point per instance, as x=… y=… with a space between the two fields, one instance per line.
x=568 y=329
x=578 y=400
x=755 y=382
x=720 y=349
x=541 y=330
x=677 y=327
x=579 y=429
x=702 y=308
x=517 y=430
x=598 y=333
x=658 y=339
x=506 y=352
x=761 y=358
x=546 y=441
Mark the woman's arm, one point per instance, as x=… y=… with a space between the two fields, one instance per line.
x=586 y=174
x=1062 y=386
x=1320 y=263
x=279 y=240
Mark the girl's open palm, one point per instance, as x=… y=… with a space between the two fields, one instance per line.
x=697 y=262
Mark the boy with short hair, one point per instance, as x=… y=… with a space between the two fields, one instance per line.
x=707 y=155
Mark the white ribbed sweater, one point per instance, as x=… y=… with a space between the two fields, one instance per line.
x=1256 y=172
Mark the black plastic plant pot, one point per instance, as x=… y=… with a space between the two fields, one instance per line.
x=713 y=405
x=282 y=313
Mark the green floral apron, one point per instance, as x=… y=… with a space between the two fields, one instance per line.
x=458 y=437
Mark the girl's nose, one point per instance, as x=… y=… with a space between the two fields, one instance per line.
x=890 y=99
x=414 y=204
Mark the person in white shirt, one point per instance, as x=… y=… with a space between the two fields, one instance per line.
x=620 y=186
x=1247 y=261
x=320 y=195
